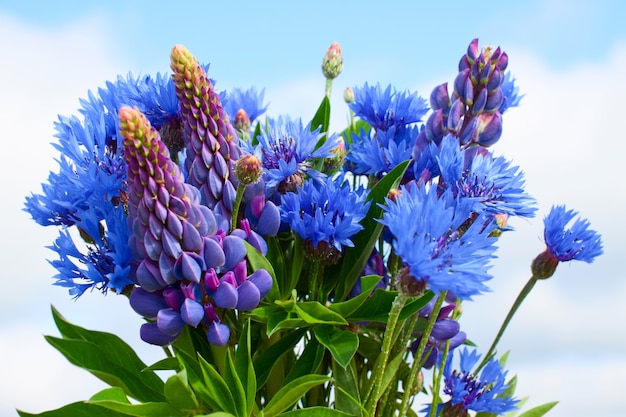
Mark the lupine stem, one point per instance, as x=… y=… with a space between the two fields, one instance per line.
x=417 y=364
x=375 y=390
x=518 y=302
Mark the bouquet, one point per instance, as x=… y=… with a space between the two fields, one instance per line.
x=286 y=269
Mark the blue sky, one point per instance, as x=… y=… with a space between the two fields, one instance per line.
x=567 y=343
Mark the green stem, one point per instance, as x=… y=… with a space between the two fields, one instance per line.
x=241 y=188
x=375 y=389
x=314 y=289
x=329 y=87
x=437 y=380
x=418 y=362
x=518 y=302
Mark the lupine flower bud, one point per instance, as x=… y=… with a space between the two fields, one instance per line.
x=333 y=61
x=242 y=124
x=248 y=169
x=211 y=141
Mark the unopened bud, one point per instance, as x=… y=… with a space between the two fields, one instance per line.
x=333 y=61
x=339 y=156
x=248 y=169
x=348 y=95
x=393 y=194
x=544 y=265
x=242 y=121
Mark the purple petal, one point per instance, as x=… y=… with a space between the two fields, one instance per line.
x=173 y=298
x=213 y=254
x=262 y=280
x=191 y=312
x=226 y=295
x=249 y=296
x=170 y=322
x=234 y=251
x=269 y=221
x=150 y=333
x=146 y=304
x=149 y=276
x=218 y=334
x=189 y=266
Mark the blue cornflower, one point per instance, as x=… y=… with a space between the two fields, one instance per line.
x=494 y=185
x=480 y=393
x=510 y=93
x=441 y=241
x=575 y=243
x=249 y=100
x=384 y=109
x=287 y=150
x=381 y=151
x=327 y=211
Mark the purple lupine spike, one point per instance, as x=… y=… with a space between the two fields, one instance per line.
x=150 y=333
x=211 y=141
x=249 y=296
x=218 y=333
x=262 y=280
x=191 y=312
x=146 y=303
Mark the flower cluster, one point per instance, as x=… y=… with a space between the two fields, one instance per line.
x=288 y=267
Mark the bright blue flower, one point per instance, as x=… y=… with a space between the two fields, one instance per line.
x=494 y=185
x=577 y=242
x=380 y=152
x=249 y=100
x=432 y=237
x=287 y=150
x=510 y=93
x=480 y=393
x=384 y=109
x=327 y=211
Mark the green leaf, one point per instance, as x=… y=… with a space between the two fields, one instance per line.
x=355 y=258
x=217 y=388
x=113 y=394
x=178 y=392
x=315 y=412
x=347 y=395
x=342 y=344
x=166 y=364
x=321 y=119
x=244 y=367
x=308 y=362
x=277 y=257
x=377 y=307
x=236 y=387
x=297 y=261
x=313 y=312
x=281 y=319
x=257 y=132
x=148 y=409
x=540 y=410
x=345 y=308
x=91 y=357
x=116 y=356
x=264 y=363
x=77 y=409
x=258 y=261
x=195 y=378
x=290 y=393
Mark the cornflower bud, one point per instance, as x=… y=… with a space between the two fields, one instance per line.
x=333 y=62
x=248 y=169
x=348 y=95
x=242 y=124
